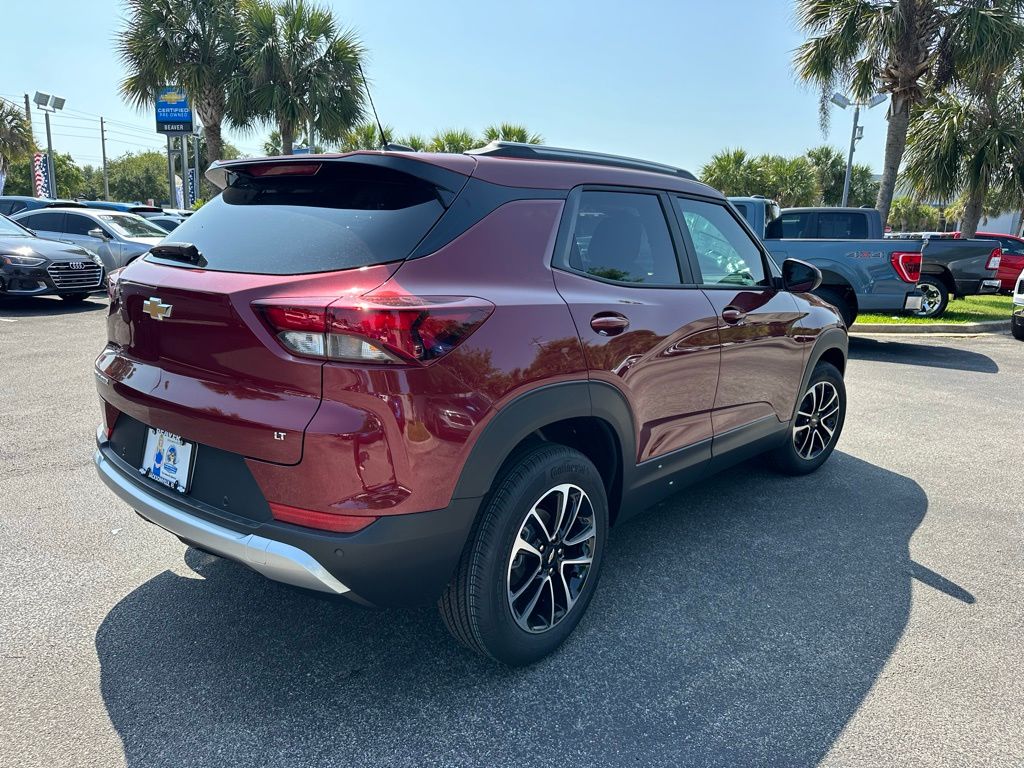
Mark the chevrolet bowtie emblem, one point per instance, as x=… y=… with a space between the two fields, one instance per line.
x=156 y=308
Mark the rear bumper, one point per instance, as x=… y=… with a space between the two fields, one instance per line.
x=912 y=302
x=399 y=560
x=976 y=287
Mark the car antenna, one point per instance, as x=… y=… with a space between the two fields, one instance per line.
x=384 y=144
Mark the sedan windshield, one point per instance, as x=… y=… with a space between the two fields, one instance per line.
x=9 y=229
x=130 y=225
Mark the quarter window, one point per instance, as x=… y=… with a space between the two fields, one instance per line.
x=623 y=236
x=725 y=253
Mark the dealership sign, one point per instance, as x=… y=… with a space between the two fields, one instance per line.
x=173 y=113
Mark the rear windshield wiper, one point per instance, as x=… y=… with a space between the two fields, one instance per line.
x=186 y=252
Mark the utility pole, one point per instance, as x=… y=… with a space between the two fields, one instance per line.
x=28 y=113
x=170 y=173
x=849 y=159
x=103 y=149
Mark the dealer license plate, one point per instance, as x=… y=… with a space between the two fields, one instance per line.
x=168 y=459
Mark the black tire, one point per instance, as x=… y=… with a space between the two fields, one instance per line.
x=936 y=297
x=793 y=457
x=839 y=299
x=74 y=298
x=1017 y=327
x=477 y=606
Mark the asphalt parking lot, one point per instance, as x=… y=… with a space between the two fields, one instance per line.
x=870 y=614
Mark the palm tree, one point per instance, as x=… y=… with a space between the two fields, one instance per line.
x=965 y=143
x=789 y=180
x=365 y=135
x=732 y=172
x=415 y=142
x=903 y=48
x=863 y=187
x=511 y=132
x=829 y=171
x=190 y=44
x=453 y=140
x=15 y=137
x=301 y=69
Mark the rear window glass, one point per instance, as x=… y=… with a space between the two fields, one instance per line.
x=347 y=215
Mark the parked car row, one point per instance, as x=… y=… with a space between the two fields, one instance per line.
x=165 y=218
x=860 y=261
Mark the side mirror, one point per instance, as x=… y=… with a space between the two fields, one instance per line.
x=799 y=276
x=99 y=234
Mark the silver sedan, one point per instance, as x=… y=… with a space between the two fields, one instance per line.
x=117 y=238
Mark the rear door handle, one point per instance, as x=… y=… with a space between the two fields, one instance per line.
x=609 y=324
x=733 y=316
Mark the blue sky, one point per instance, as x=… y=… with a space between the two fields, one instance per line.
x=668 y=81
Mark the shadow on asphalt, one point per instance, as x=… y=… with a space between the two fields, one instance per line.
x=741 y=622
x=921 y=354
x=45 y=306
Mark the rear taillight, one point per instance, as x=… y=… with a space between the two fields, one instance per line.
x=377 y=329
x=324 y=521
x=907 y=265
x=995 y=259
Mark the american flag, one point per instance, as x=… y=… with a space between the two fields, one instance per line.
x=41 y=174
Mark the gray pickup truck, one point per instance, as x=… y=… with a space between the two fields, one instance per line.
x=866 y=270
x=953 y=267
x=858 y=275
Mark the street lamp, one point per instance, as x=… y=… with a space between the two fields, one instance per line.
x=48 y=103
x=858 y=131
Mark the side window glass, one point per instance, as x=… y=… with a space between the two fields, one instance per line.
x=79 y=225
x=790 y=225
x=44 y=222
x=624 y=237
x=843 y=226
x=725 y=253
x=5 y=207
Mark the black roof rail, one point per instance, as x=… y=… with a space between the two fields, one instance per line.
x=542 y=152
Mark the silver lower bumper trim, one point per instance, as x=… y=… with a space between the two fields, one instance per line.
x=274 y=559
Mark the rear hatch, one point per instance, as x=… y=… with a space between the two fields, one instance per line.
x=190 y=350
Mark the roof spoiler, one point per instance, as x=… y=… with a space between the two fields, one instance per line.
x=543 y=152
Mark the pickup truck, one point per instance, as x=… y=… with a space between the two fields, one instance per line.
x=953 y=266
x=841 y=241
x=858 y=275
x=772 y=223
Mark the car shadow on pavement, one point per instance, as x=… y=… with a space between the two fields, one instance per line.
x=44 y=306
x=929 y=355
x=742 y=622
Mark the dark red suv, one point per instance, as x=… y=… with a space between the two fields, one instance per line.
x=410 y=377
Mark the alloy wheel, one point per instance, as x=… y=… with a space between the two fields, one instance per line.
x=551 y=558
x=931 y=299
x=816 y=420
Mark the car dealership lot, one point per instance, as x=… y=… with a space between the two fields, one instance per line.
x=868 y=614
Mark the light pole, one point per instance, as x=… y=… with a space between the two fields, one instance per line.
x=48 y=103
x=856 y=134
